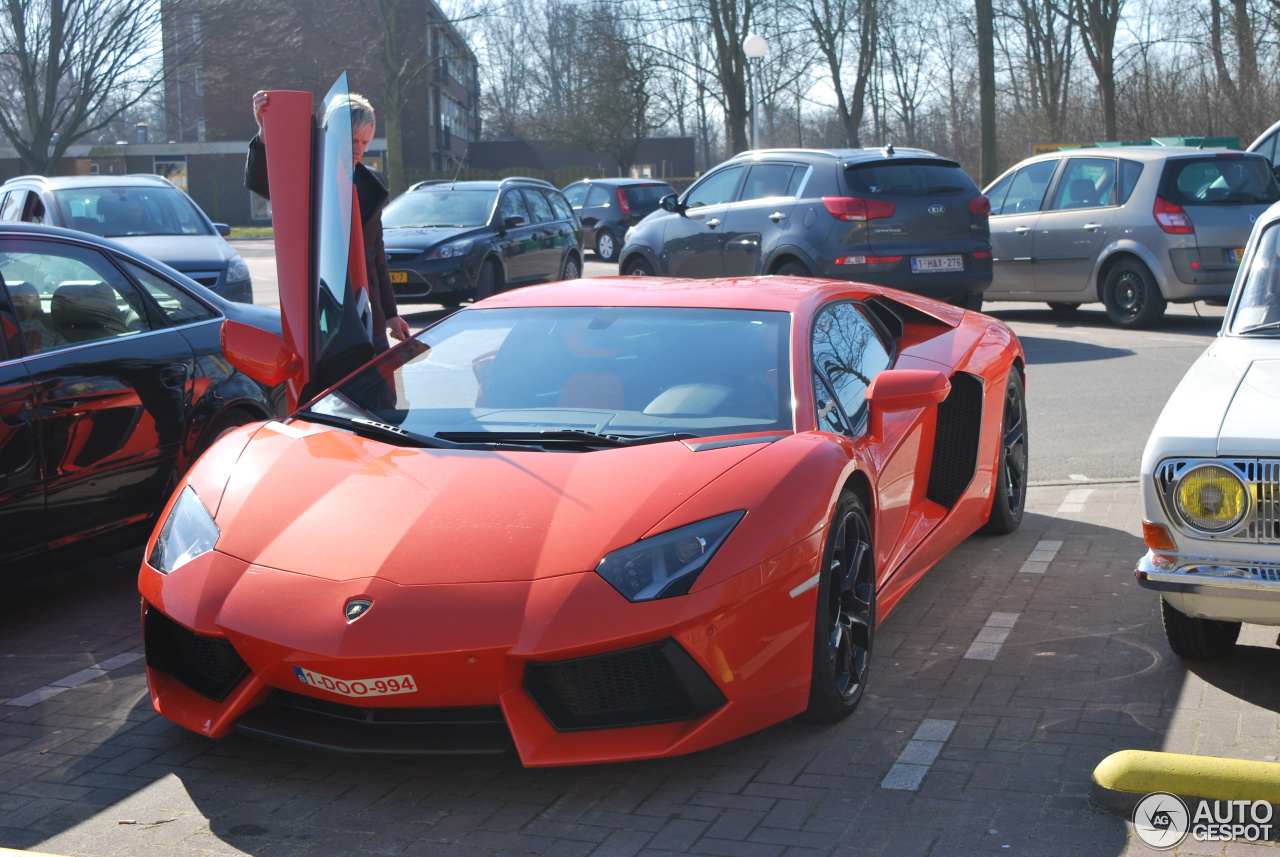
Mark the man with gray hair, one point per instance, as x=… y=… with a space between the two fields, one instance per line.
x=372 y=193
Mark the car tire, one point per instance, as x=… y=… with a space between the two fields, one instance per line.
x=1131 y=296
x=1063 y=307
x=219 y=425
x=638 y=267
x=971 y=301
x=607 y=245
x=451 y=301
x=1197 y=639
x=1010 y=493
x=844 y=627
x=792 y=268
x=572 y=269
x=488 y=283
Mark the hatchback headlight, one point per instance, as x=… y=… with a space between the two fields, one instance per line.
x=451 y=251
x=1211 y=498
x=667 y=564
x=188 y=532
x=237 y=270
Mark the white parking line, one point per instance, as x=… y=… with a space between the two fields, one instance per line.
x=992 y=636
x=1073 y=503
x=1040 y=558
x=76 y=679
x=913 y=762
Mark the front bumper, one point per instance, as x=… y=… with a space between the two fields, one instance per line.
x=1209 y=588
x=550 y=667
x=436 y=277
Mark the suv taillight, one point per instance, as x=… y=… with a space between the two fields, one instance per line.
x=622 y=202
x=980 y=205
x=858 y=208
x=1171 y=218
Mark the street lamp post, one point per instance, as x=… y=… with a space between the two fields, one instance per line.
x=755 y=47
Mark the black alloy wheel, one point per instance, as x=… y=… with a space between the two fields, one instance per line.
x=572 y=270
x=1131 y=296
x=1011 y=475
x=844 y=629
x=606 y=246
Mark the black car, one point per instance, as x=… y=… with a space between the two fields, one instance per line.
x=608 y=208
x=447 y=241
x=112 y=381
x=904 y=218
x=146 y=213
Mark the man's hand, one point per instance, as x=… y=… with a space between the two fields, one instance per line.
x=399 y=328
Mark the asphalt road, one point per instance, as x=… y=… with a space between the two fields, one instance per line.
x=1093 y=391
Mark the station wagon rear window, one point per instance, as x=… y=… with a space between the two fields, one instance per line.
x=1234 y=179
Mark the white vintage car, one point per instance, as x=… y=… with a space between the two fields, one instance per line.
x=1211 y=472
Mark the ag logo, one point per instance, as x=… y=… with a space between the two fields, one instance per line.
x=937 y=210
x=355 y=609
x=1161 y=820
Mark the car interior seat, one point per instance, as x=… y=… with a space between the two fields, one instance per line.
x=1081 y=193
x=83 y=312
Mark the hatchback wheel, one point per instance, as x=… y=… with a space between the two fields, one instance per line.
x=572 y=270
x=607 y=246
x=1131 y=296
x=638 y=267
x=792 y=268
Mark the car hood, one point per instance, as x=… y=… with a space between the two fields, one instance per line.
x=1227 y=404
x=425 y=239
x=323 y=502
x=183 y=252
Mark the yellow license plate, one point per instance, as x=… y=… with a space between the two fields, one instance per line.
x=1237 y=254
x=399 y=276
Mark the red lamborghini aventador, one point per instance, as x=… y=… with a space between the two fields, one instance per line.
x=594 y=521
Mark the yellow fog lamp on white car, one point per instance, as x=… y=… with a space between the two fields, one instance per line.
x=1211 y=498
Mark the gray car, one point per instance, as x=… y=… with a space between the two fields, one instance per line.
x=1135 y=227
x=146 y=213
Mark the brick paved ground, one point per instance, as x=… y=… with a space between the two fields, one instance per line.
x=991 y=753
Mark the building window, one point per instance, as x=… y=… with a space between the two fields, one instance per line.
x=195 y=29
x=199 y=81
x=201 y=136
x=93 y=169
x=173 y=168
x=642 y=171
x=259 y=208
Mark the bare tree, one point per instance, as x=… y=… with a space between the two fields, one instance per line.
x=1098 y=22
x=833 y=24
x=1047 y=41
x=74 y=67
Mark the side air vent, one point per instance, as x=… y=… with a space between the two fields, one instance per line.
x=208 y=665
x=955 y=452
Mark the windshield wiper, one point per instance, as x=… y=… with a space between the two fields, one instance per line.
x=1257 y=328
x=560 y=437
x=376 y=430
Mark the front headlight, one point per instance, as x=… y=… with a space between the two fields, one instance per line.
x=1211 y=498
x=237 y=270
x=188 y=532
x=667 y=564
x=451 y=251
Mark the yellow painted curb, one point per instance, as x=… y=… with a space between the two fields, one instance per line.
x=9 y=852
x=1141 y=772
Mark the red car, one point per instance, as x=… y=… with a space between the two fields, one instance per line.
x=603 y=520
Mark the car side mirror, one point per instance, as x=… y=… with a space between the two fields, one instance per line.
x=671 y=203
x=897 y=390
x=223 y=229
x=259 y=354
x=512 y=222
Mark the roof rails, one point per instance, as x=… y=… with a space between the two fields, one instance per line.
x=525 y=179
x=417 y=185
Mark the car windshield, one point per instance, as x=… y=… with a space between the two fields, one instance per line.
x=440 y=207
x=907 y=177
x=120 y=211
x=625 y=373
x=646 y=195
x=1235 y=179
x=1256 y=308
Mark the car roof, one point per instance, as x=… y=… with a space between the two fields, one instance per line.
x=58 y=182
x=622 y=182
x=799 y=295
x=1139 y=153
x=481 y=184
x=845 y=155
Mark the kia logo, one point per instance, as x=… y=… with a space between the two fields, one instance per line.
x=937 y=209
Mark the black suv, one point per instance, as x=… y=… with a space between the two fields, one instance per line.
x=903 y=218
x=447 y=241
x=610 y=207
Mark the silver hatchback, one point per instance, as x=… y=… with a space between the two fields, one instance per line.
x=1135 y=227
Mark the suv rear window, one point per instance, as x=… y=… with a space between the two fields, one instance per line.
x=642 y=195
x=1220 y=180
x=909 y=178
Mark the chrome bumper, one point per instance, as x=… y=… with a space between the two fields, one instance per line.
x=1204 y=576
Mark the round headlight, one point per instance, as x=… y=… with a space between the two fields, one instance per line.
x=1211 y=498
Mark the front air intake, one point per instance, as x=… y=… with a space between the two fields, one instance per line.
x=208 y=665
